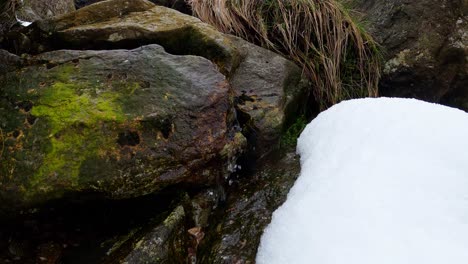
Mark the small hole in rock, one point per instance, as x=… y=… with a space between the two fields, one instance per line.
x=31 y=119
x=50 y=65
x=145 y=84
x=16 y=134
x=25 y=105
x=166 y=128
x=128 y=138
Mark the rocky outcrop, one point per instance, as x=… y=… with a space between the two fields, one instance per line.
x=148 y=119
x=425 y=47
x=122 y=99
x=269 y=88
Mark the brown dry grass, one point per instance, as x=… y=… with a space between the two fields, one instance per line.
x=337 y=56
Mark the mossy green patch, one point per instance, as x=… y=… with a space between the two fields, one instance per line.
x=62 y=104
x=76 y=113
x=289 y=138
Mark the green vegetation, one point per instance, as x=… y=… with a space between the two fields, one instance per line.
x=337 y=55
x=63 y=106
x=289 y=138
x=75 y=112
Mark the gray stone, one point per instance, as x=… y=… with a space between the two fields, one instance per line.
x=425 y=48
x=163 y=244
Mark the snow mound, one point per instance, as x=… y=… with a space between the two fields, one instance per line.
x=383 y=181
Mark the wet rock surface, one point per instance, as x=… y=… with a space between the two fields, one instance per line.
x=248 y=209
x=268 y=89
x=235 y=237
x=163 y=244
x=271 y=93
x=123 y=123
x=425 y=45
x=125 y=99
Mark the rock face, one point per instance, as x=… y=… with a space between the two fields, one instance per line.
x=121 y=99
x=270 y=92
x=163 y=244
x=121 y=122
x=235 y=238
x=269 y=88
x=130 y=122
x=425 y=48
x=31 y=10
x=9 y=61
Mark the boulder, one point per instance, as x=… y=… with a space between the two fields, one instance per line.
x=129 y=118
x=269 y=89
x=9 y=61
x=424 y=47
x=124 y=123
x=271 y=93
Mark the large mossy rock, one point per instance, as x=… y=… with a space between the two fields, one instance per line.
x=128 y=121
x=425 y=45
x=270 y=89
x=121 y=122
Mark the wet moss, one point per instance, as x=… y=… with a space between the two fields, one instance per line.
x=62 y=105
x=289 y=138
x=75 y=113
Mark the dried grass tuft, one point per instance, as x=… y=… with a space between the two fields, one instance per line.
x=339 y=58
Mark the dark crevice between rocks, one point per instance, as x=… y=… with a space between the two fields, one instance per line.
x=252 y=194
x=179 y=5
x=235 y=228
x=83 y=229
x=185 y=41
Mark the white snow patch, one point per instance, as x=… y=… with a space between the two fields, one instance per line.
x=383 y=181
x=22 y=22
